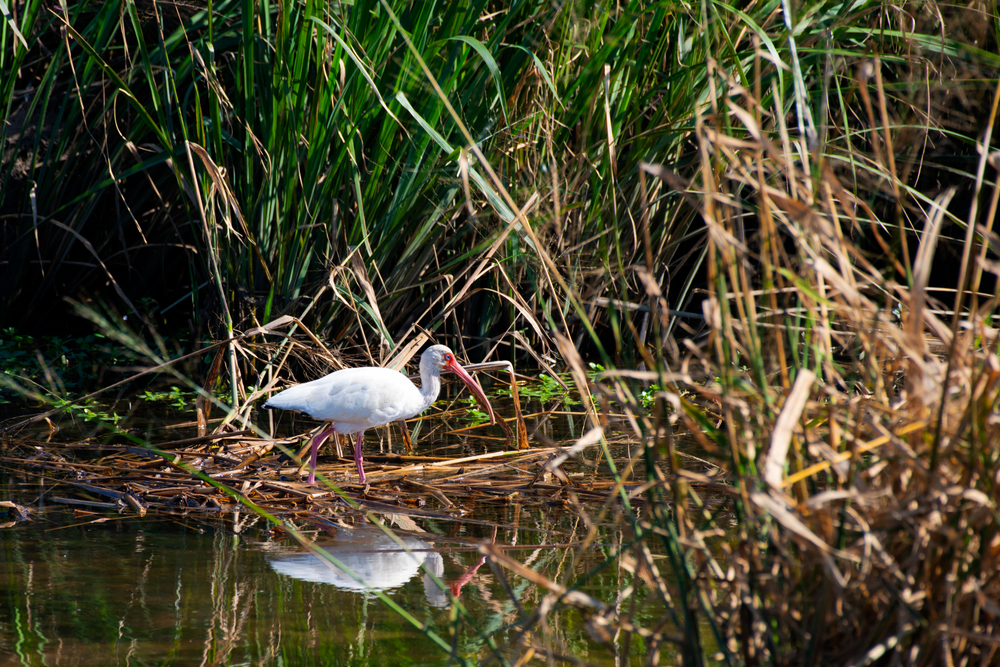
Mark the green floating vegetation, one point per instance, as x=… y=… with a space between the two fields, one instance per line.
x=89 y=410
x=176 y=397
x=472 y=413
x=544 y=390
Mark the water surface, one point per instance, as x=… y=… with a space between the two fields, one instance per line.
x=86 y=586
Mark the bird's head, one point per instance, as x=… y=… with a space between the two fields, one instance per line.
x=441 y=358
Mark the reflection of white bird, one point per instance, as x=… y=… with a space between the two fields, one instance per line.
x=356 y=399
x=372 y=555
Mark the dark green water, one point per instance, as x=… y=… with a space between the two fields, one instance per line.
x=181 y=591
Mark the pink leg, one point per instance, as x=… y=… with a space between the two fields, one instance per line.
x=357 y=456
x=317 y=441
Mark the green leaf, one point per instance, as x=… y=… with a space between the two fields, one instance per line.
x=540 y=66
x=361 y=66
x=10 y=21
x=495 y=199
x=491 y=64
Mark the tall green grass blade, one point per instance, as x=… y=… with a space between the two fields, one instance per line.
x=541 y=69
x=12 y=24
x=362 y=69
x=491 y=64
x=494 y=198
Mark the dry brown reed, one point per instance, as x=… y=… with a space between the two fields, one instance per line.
x=854 y=415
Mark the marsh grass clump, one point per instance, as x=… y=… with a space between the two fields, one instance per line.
x=844 y=390
x=853 y=422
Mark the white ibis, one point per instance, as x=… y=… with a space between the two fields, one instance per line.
x=354 y=400
x=371 y=554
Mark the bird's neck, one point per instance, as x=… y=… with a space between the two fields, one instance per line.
x=430 y=385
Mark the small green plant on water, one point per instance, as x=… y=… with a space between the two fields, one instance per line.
x=545 y=390
x=176 y=397
x=89 y=410
x=648 y=396
x=473 y=413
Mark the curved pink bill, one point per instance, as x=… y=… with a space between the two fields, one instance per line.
x=477 y=391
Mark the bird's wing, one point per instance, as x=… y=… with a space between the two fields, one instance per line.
x=362 y=396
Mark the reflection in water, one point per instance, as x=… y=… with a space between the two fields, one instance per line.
x=96 y=588
x=377 y=559
x=104 y=589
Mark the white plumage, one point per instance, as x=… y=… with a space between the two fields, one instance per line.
x=356 y=399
